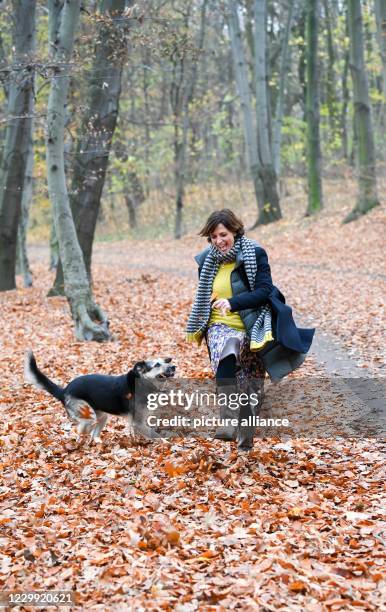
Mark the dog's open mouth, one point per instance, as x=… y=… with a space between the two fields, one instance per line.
x=168 y=373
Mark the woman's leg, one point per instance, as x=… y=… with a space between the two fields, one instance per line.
x=226 y=370
x=251 y=380
x=226 y=385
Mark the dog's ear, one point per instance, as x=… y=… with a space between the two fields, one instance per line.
x=140 y=368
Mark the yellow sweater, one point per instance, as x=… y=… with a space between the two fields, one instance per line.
x=222 y=289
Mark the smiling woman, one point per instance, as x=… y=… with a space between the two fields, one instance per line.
x=243 y=317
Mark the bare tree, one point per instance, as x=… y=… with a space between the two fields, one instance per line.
x=97 y=127
x=22 y=254
x=90 y=321
x=315 y=197
x=242 y=82
x=184 y=60
x=331 y=89
x=276 y=140
x=271 y=208
x=258 y=133
x=17 y=139
x=54 y=14
x=380 y=17
x=367 y=197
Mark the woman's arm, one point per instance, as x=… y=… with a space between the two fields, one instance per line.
x=263 y=286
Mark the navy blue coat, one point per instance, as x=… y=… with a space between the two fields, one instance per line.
x=287 y=352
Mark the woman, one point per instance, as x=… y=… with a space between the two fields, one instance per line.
x=247 y=326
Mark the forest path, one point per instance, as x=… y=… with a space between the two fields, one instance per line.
x=327 y=350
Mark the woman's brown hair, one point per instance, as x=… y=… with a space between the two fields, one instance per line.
x=227 y=218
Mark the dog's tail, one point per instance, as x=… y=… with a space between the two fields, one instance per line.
x=33 y=375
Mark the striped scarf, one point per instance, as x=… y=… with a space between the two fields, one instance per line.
x=200 y=314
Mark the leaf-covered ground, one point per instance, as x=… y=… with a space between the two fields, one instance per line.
x=187 y=524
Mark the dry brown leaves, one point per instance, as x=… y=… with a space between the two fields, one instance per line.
x=187 y=524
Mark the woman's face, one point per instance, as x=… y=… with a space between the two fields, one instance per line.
x=222 y=238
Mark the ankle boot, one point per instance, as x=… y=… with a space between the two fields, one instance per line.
x=246 y=433
x=227 y=431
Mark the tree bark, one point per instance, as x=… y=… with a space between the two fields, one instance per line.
x=54 y=254
x=134 y=196
x=97 y=129
x=367 y=197
x=345 y=98
x=23 y=262
x=15 y=156
x=90 y=321
x=380 y=17
x=315 y=197
x=271 y=209
x=331 y=91
x=54 y=12
x=5 y=87
x=276 y=141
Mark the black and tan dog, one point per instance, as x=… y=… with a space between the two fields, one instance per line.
x=89 y=399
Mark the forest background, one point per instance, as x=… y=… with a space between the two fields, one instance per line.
x=180 y=146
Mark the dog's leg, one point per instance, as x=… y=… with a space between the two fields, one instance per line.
x=85 y=427
x=101 y=422
x=81 y=412
x=130 y=426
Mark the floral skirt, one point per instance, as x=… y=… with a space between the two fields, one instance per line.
x=249 y=363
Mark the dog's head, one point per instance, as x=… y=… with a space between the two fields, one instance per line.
x=155 y=368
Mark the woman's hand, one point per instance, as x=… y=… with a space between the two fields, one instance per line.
x=222 y=305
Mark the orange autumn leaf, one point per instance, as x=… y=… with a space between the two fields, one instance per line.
x=295 y=513
x=172 y=536
x=298 y=587
x=139 y=334
x=208 y=554
x=173 y=470
x=40 y=513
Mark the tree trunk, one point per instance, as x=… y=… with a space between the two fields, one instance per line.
x=276 y=143
x=380 y=16
x=302 y=59
x=242 y=82
x=367 y=197
x=331 y=90
x=77 y=288
x=5 y=87
x=23 y=263
x=146 y=102
x=97 y=129
x=182 y=94
x=15 y=156
x=315 y=198
x=271 y=209
x=134 y=196
x=54 y=255
x=54 y=12
x=345 y=99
